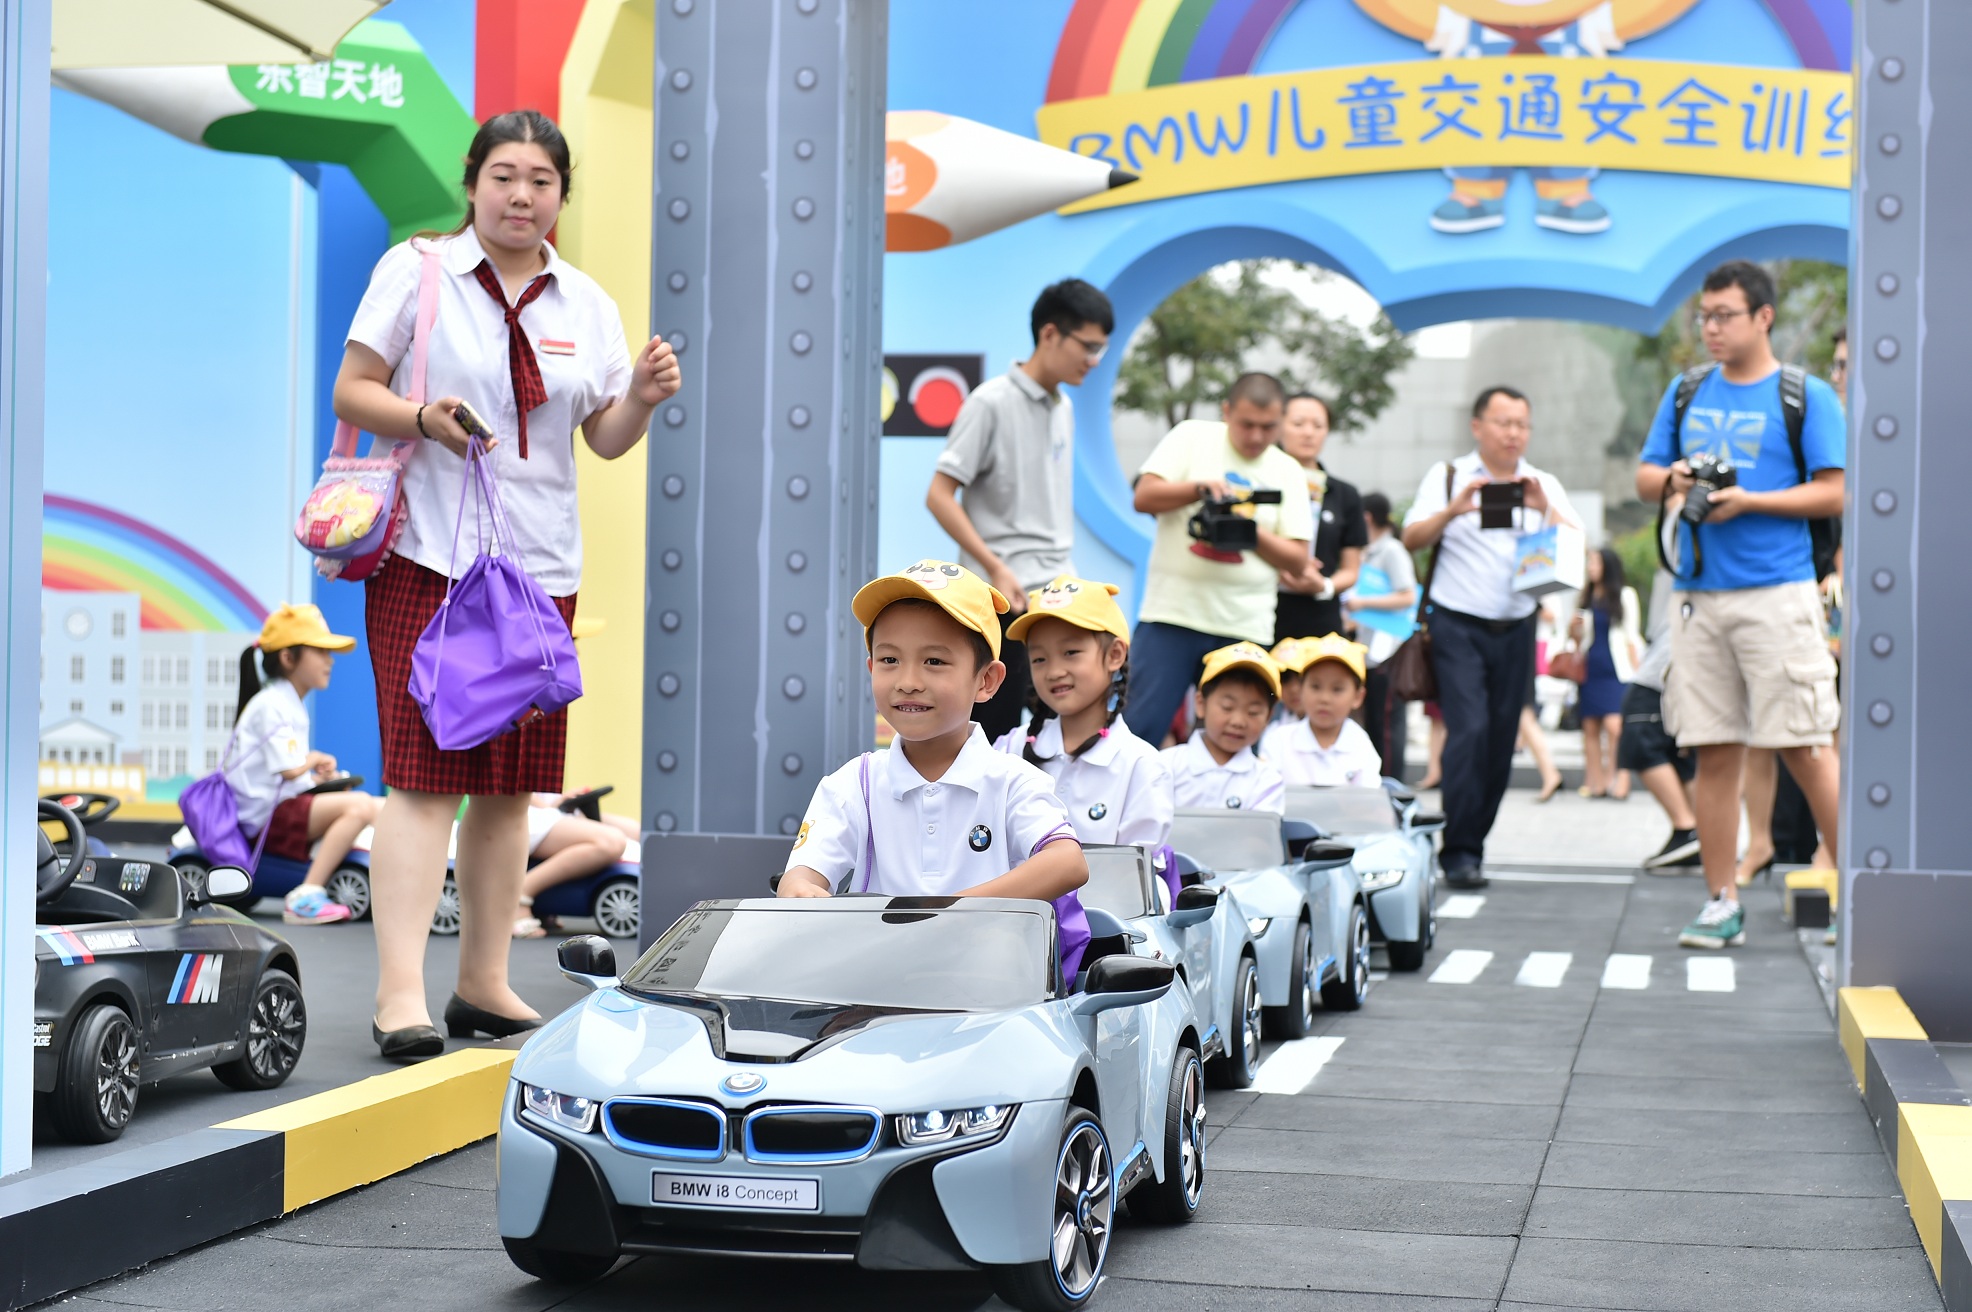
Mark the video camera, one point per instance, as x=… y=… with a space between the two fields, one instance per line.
x=1219 y=525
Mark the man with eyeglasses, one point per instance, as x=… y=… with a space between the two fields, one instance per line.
x=1482 y=631
x=1012 y=449
x=1750 y=664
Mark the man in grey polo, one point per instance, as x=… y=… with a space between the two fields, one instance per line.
x=1012 y=451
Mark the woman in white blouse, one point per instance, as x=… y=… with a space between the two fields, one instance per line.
x=537 y=349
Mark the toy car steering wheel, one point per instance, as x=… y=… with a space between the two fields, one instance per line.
x=90 y=808
x=337 y=783
x=52 y=872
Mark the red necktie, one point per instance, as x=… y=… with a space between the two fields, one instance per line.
x=529 y=390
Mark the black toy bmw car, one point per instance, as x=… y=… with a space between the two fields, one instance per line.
x=139 y=975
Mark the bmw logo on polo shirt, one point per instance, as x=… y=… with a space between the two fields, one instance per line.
x=980 y=838
x=1098 y=811
x=1233 y=802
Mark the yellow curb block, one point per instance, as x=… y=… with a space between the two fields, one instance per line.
x=362 y=1132
x=1825 y=881
x=1934 y=1165
x=1872 y=1013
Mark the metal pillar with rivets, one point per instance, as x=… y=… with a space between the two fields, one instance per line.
x=767 y=276
x=1906 y=901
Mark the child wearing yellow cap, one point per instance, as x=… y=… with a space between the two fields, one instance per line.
x=269 y=768
x=1287 y=654
x=1114 y=784
x=1237 y=690
x=1327 y=749
x=939 y=812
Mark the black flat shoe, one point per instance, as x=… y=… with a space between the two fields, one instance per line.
x=412 y=1043
x=463 y=1021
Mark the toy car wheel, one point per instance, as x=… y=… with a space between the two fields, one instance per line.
x=445 y=920
x=277 y=1026
x=555 y=1266
x=1297 y=1019
x=1346 y=991
x=350 y=885
x=1410 y=956
x=96 y=1093
x=1084 y=1213
x=618 y=909
x=1236 y=1066
x=1406 y=956
x=1175 y=1197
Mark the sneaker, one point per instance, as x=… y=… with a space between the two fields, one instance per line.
x=1719 y=925
x=309 y=905
x=1679 y=852
x=1584 y=216
x=1458 y=216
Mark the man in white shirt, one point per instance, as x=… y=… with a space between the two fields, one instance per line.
x=1198 y=598
x=1482 y=631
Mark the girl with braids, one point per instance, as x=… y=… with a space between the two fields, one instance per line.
x=270 y=769
x=1113 y=783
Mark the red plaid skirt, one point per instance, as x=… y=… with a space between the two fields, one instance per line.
x=398 y=603
x=287 y=828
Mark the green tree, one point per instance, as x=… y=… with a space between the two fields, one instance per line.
x=1193 y=345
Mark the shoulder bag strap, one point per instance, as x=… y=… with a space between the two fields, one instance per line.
x=346 y=435
x=1431 y=569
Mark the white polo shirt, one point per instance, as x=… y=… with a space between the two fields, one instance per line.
x=989 y=813
x=1118 y=791
x=1293 y=750
x=1245 y=783
x=1012 y=449
x=1475 y=565
x=578 y=342
x=271 y=737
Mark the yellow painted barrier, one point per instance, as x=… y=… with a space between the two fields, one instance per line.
x=362 y=1132
x=1872 y=1013
x=1934 y=1165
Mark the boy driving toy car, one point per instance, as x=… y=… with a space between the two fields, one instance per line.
x=1236 y=694
x=1327 y=749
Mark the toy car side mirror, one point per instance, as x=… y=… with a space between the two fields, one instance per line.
x=588 y=960
x=1426 y=821
x=1121 y=981
x=1400 y=792
x=1189 y=870
x=222 y=882
x=1297 y=835
x=1328 y=854
x=1194 y=906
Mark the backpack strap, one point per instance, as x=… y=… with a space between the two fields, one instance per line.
x=869 y=830
x=1688 y=384
x=1824 y=535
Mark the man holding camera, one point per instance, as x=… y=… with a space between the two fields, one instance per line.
x=1482 y=631
x=1232 y=519
x=1756 y=452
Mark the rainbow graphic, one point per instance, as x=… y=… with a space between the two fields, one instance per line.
x=91 y=548
x=1112 y=46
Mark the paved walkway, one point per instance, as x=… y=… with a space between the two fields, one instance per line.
x=1564 y=1111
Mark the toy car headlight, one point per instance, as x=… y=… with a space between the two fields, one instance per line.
x=1257 y=925
x=1376 y=880
x=563 y=1109
x=915 y=1129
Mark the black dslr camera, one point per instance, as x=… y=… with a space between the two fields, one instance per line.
x=1220 y=526
x=1710 y=473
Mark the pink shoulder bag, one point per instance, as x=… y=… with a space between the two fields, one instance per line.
x=356 y=512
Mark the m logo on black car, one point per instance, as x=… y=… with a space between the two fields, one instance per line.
x=1098 y=811
x=980 y=838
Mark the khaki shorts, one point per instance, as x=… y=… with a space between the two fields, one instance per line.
x=1751 y=666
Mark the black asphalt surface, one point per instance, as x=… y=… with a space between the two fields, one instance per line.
x=1550 y=1144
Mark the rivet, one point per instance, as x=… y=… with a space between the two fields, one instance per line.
x=804 y=209
x=671 y=559
x=668 y=684
x=796 y=622
x=797 y=487
x=1890 y=144
x=802 y=281
x=679 y=209
x=1880 y=713
x=667 y=761
x=1881 y=645
x=1887 y=284
x=681 y=7
x=674 y=487
x=681 y=80
x=674 y=416
x=1886 y=348
x=1882 y=580
x=1885 y=501
x=805 y=6
x=681 y=150
x=1891 y=69
x=677 y=281
x=804 y=149
x=1889 y=207
x=677 y=340
x=666 y=822
x=1879 y=794
x=790 y=824
x=805 y=79
x=801 y=343
x=669 y=621
x=1886 y=427
x=797 y=561
x=791 y=764
x=798 y=416
x=1879 y=858
x=792 y=687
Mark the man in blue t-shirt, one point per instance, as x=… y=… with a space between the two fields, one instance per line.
x=1749 y=658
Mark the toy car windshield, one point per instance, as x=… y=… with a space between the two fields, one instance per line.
x=1343 y=810
x=1229 y=840
x=1119 y=882
x=890 y=953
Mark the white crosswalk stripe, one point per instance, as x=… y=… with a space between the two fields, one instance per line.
x=1461 y=967
x=1543 y=970
x=1293 y=1065
x=1461 y=906
x=1626 y=970
x=1710 y=975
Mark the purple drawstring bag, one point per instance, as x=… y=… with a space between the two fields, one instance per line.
x=212 y=813
x=497 y=653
